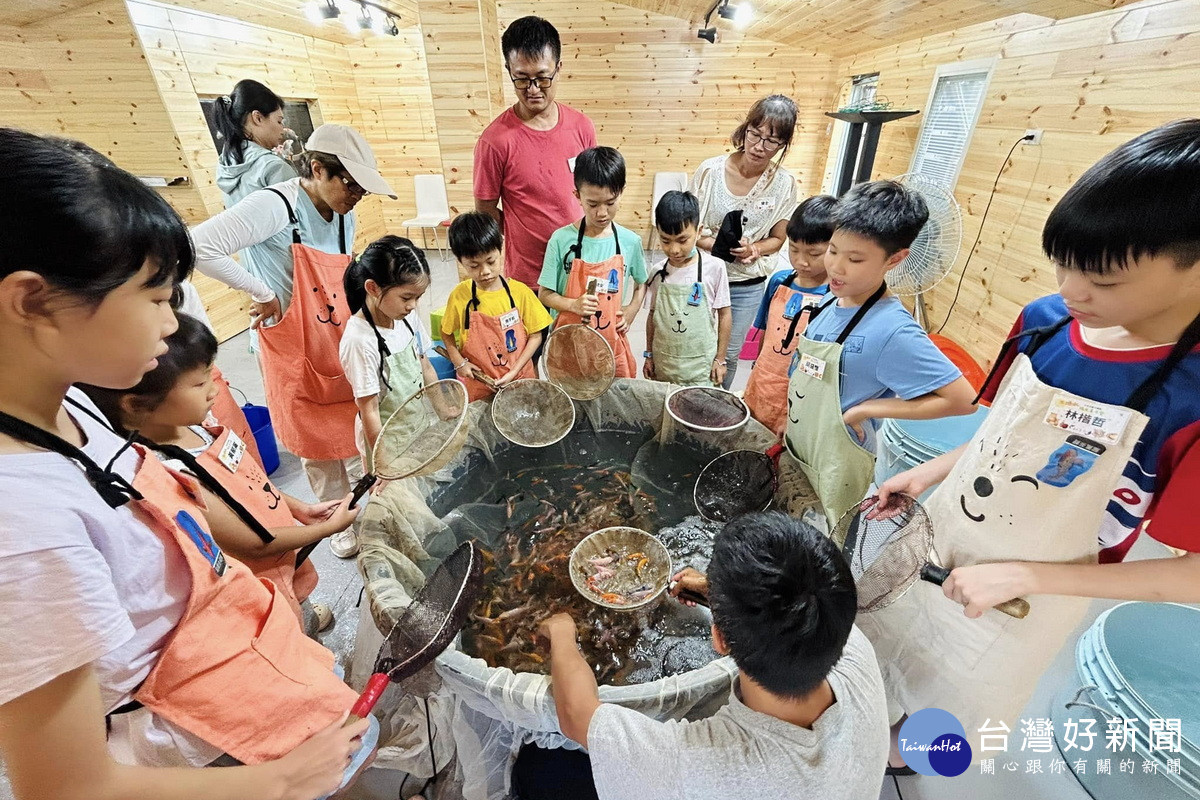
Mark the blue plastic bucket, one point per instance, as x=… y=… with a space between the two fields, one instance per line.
x=442 y=365
x=908 y=443
x=259 y=419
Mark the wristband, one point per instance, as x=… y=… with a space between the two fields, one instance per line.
x=647 y=354
x=460 y=366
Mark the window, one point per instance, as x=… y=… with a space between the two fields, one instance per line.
x=296 y=116
x=954 y=105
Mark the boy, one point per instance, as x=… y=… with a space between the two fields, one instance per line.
x=863 y=357
x=587 y=264
x=492 y=326
x=807 y=703
x=784 y=311
x=688 y=297
x=1062 y=474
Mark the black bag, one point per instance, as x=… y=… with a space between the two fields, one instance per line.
x=729 y=236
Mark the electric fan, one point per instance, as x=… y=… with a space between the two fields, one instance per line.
x=936 y=248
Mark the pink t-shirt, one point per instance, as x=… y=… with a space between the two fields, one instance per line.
x=530 y=173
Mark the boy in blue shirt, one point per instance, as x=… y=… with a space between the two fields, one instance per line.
x=863 y=357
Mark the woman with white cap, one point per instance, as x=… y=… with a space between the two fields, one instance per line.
x=301 y=233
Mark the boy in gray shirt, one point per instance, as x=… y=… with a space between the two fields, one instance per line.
x=806 y=717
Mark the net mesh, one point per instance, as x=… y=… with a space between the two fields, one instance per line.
x=532 y=413
x=580 y=361
x=424 y=433
x=885 y=554
x=735 y=483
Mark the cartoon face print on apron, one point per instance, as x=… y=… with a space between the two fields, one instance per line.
x=685 y=338
x=493 y=343
x=610 y=289
x=766 y=390
x=837 y=466
x=1012 y=496
x=312 y=404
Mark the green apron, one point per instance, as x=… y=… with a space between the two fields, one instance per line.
x=400 y=374
x=685 y=338
x=838 y=467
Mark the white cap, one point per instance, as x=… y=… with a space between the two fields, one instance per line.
x=354 y=153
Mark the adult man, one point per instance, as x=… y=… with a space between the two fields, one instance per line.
x=525 y=158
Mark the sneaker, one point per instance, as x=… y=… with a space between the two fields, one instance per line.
x=324 y=616
x=344 y=544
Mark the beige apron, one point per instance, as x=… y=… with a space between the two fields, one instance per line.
x=1030 y=487
x=839 y=468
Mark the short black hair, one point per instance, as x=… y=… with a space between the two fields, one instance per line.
x=475 y=234
x=600 y=166
x=886 y=212
x=675 y=211
x=529 y=37
x=1142 y=199
x=784 y=600
x=812 y=221
x=192 y=345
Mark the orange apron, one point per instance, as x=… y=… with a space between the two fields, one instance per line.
x=229 y=413
x=493 y=343
x=766 y=390
x=243 y=477
x=610 y=283
x=312 y=404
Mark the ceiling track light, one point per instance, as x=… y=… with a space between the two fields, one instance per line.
x=740 y=14
x=373 y=16
x=710 y=35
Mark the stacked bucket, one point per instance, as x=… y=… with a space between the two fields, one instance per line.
x=907 y=443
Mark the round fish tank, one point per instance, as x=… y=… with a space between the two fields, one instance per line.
x=626 y=462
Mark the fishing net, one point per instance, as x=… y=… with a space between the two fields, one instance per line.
x=423 y=434
x=532 y=413
x=735 y=483
x=580 y=361
x=885 y=554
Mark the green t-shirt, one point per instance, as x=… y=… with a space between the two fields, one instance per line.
x=554 y=276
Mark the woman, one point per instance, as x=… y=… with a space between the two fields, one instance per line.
x=250 y=121
x=301 y=232
x=120 y=611
x=749 y=180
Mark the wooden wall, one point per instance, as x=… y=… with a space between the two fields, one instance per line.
x=1089 y=82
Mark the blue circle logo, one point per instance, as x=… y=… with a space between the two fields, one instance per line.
x=933 y=742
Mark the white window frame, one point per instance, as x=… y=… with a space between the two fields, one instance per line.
x=976 y=66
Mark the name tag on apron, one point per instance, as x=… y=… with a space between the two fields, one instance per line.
x=510 y=319
x=594 y=286
x=203 y=541
x=697 y=294
x=1070 y=461
x=1098 y=421
x=232 y=452
x=811 y=366
x=794 y=304
x=614 y=280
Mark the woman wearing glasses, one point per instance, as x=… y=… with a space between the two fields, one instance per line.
x=751 y=182
x=301 y=233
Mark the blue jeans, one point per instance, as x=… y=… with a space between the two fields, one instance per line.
x=744 y=301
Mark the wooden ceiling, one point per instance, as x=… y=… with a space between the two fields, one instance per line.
x=839 y=27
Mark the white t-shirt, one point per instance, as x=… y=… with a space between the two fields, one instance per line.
x=738 y=752
x=712 y=269
x=359 y=350
x=84 y=583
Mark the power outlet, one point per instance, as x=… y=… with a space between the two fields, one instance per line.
x=1036 y=133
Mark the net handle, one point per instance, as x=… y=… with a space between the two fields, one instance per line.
x=1017 y=608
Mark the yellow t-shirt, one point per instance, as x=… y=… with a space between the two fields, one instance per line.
x=533 y=314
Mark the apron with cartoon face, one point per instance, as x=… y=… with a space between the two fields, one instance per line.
x=400 y=373
x=766 y=390
x=493 y=343
x=838 y=467
x=237 y=670
x=312 y=404
x=685 y=338
x=1033 y=485
x=610 y=290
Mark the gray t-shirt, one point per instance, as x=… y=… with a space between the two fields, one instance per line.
x=738 y=752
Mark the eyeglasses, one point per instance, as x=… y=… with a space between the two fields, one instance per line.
x=753 y=137
x=352 y=187
x=542 y=82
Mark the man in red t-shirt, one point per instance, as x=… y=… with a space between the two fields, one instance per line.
x=525 y=158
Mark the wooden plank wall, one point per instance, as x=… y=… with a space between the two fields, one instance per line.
x=1089 y=82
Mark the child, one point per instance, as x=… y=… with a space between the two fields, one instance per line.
x=168 y=407
x=808 y=700
x=385 y=362
x=862 y=357
x=689 y=323
x=492 y=327
x=1117 y=344
x=122 y=597
x=785 y=308
x=595 y=248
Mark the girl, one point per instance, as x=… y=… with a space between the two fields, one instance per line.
x=382 y=351
x=113 y=594
x=168 y=408
x=250 y=120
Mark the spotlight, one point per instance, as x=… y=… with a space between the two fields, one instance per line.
x=708 y=34
x=390 y=28
x=739 y=14
x=319 y=11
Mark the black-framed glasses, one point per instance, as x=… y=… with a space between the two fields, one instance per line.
x=542 y=82
x=352 y=187
x=753 y=137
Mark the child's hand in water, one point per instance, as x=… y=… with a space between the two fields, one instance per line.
x=585 y=305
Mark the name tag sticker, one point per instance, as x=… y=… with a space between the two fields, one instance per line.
x=697 y=294
x=232 y=452
x=793 y=306
x=1099 y=422
x=812 y=366
x=510 y=319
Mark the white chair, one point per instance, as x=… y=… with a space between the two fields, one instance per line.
x=663 y=183
x=433 y=209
